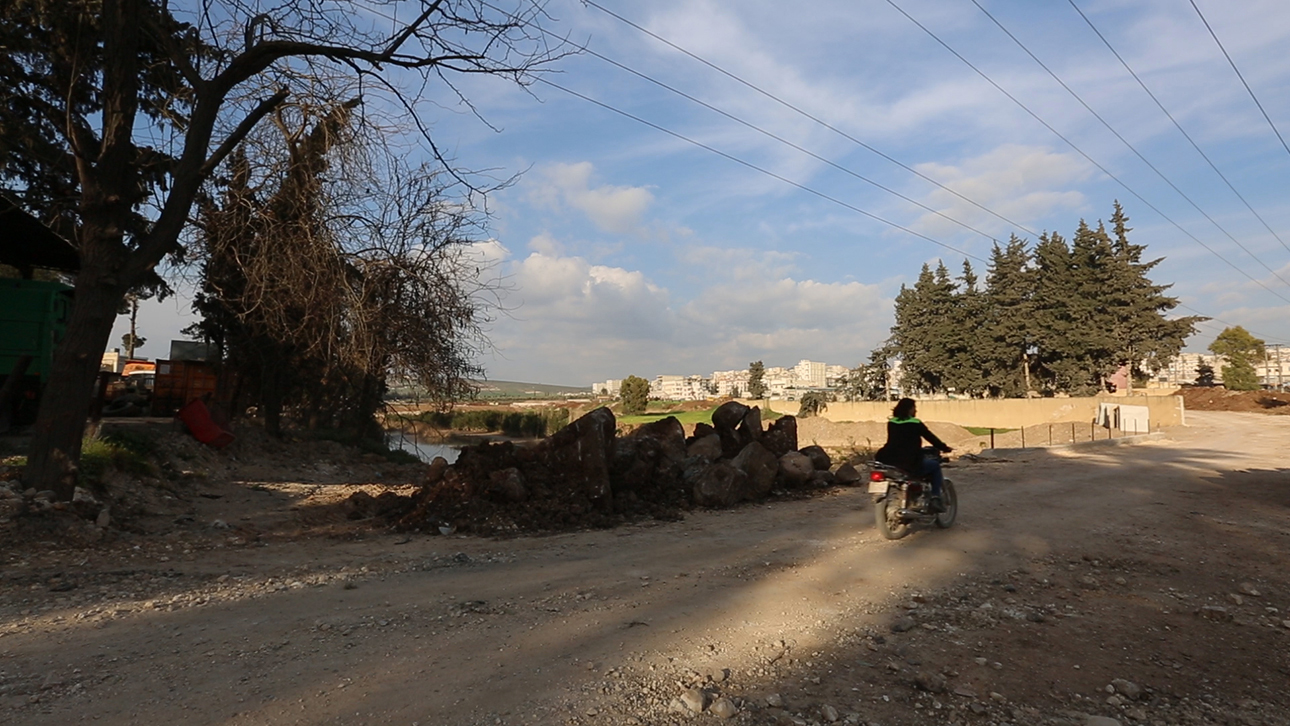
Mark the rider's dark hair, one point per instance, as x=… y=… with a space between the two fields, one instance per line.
x=904 y=408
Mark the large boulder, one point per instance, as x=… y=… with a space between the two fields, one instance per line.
x=708 y=448
x=795 y=469
x=781 y=437
x=819 y=457
x=760 y=465
x=648 y=460
x=750 y=426
x=580 y=452
x=717 y=485
x=729 y=415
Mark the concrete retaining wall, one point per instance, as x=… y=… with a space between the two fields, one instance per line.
x=1008 y=413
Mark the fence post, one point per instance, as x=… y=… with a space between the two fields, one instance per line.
x=1050 y=434
x=1023 y=436
x=992 y=437
x=1072 y=432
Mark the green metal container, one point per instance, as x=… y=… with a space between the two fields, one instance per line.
x=33 y=319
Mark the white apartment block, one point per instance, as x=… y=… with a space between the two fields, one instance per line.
x=611 y=387
x=810 y=374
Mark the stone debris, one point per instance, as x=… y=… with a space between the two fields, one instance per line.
x=589 y=474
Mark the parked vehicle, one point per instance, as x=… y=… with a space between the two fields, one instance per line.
x=901 y=499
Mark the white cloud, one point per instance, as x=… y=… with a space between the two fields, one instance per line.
x=1022 y=183
x=576 y=322
x=615 y=209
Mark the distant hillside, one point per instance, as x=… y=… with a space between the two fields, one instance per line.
x=515 y=389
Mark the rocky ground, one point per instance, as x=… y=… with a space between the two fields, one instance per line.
x=1133 y=585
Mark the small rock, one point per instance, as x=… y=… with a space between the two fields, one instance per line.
x=104 y=520
x=1236 y=599
x=1128 y=689
x=995 y=696
x=965 y=692
x=695 y=700
x=981 y=661
x=1214 y=612
x=219 y=524
x=723 y=708
x=903 y=625
x=1249 y=589
x=829 y=713
x=1100 y=721
x=775 y=700
x=1114 y=700
x=931 y=682
x=1135 y=713
x=1121 y=581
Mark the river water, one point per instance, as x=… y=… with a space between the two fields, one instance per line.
x=423 y=450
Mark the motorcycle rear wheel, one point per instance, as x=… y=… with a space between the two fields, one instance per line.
x=887 y=517
x=950 y=499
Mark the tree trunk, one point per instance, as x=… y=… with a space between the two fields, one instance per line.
x=10 y=389
x=65 y=402
x=1025 y=372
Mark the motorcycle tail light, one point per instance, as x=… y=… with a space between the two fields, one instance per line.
x=877 y=476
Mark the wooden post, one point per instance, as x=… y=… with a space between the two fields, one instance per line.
x=1023 y=436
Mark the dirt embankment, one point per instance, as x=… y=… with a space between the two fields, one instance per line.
x=1221 y=399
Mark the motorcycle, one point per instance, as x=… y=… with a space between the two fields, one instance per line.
x=901 y=500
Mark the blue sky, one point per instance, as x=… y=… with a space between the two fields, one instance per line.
x=629 y=251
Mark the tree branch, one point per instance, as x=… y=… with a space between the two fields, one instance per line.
x=235 y=137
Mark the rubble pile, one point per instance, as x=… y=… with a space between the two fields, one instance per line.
x=587 y=475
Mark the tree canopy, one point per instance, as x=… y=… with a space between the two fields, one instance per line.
x=756 y=384
x=1240 y=349
x=1061 y=317
x=635 y=395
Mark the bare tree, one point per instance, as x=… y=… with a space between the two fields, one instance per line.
x=113 y=113
x=330 y=266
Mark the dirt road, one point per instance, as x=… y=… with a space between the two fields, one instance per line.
x=1161 y=567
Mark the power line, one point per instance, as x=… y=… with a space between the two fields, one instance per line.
x=1231 y=62
x=1177 y=125
x=1224 y=322
x=781 y=139
x=756 y=168
x=1125 y=141
x=1081 y=152
x=808 y=115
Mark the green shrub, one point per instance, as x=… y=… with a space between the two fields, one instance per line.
x=100 y=454
x=538 y=423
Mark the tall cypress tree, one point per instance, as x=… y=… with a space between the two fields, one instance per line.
x=1006 y=331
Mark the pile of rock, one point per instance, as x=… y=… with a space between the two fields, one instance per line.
x=588 y=475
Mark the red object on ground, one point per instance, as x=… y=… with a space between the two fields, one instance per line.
x=197 y=418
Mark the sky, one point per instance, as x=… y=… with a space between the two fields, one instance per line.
x=624 y=249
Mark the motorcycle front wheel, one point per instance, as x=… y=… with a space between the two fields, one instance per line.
x=950 y=499
x=887 y=516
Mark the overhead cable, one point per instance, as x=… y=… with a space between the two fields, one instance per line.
x=1239 y=75
x=1177 y=125
x=1081 y=152
x=757 y=168
x=1126 y=142
x=809 y=116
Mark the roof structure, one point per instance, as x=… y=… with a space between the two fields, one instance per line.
x=26 y=243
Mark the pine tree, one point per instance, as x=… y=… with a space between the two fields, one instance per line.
x=1007 y=330
x=919 y=336
x=966 y=347
x=1142 y=334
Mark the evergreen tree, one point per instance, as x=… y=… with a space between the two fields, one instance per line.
x=1205 y=375
x=756 y=388
x=965 y=346
x=635 y=395
x=868 y=381
x=1241 y=349
x=1142 y=334
x=1007 y=330
x=924 y=314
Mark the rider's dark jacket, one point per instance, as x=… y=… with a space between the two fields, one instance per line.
x=904 y=447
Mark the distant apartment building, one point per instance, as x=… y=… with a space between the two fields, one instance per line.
x=731 y=383
x=611 y=387
x=810 y=374
x=680 y=388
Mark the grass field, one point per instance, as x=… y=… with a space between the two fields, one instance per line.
x=685 y=417
x=985 y=430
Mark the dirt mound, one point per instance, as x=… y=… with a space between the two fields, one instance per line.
x=1220 y=399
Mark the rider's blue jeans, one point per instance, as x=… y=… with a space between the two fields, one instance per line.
x=932 y=471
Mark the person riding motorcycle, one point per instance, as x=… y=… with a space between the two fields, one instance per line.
x=904 y=449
